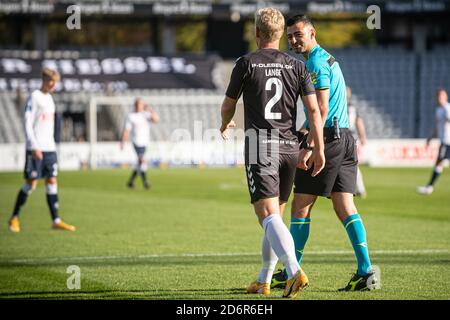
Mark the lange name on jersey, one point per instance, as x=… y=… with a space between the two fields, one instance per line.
x=271 y=83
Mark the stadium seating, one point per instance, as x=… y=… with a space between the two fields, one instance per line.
x=393 y=100
x=182 y=109
x=11 y=127
x=382 y=82
x=434 y=73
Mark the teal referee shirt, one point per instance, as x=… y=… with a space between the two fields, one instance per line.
x=326 y=74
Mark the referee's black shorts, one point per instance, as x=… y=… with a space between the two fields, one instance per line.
x=339 y=174
x=271 y=180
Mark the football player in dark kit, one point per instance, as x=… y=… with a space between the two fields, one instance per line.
x=338 y=179
x=271 y=82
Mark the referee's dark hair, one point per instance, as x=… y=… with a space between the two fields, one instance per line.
x=299 y=18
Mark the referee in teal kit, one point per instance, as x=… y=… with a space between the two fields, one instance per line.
x=338 y=179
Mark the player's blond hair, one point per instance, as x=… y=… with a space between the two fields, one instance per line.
x=270 y=23
x=50 y=74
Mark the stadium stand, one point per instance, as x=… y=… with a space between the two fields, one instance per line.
x=393 y=88
x=434 y=73
x=383 y=83
x=179 y=109
x=11 y=128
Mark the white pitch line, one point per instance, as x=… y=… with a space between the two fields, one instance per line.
x=218 y=254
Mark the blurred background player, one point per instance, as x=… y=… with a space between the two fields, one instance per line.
x=138 y=123
x=338 y=179
x=358 y=130
x=41 y=158
x=441 y=130
x=271 y=82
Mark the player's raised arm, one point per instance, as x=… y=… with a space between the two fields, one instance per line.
x=154 y=116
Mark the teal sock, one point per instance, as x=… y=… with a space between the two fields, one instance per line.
x=300 y=232
x=357 y=234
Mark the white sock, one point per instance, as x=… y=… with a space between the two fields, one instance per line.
x=281 y=241
x=269 y=261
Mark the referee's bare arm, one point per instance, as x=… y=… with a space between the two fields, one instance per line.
x=323 y=96
x=316 y=134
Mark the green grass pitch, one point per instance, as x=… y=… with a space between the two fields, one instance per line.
x=194 y=236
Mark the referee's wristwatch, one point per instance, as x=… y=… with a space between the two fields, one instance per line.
x=309 y=147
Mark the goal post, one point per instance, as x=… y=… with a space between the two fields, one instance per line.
x=94 y=102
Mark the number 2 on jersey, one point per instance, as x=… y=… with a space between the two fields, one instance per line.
x=268 y=114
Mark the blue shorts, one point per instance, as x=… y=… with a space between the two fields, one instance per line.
x=39 y=169
x=140 y=151
x=444 y=152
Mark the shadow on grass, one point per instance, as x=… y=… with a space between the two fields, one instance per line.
x=165 y=294
x=133 y=261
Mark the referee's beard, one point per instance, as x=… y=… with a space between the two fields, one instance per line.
x=298 y=50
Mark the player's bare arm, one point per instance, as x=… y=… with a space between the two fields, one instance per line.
x=154 y=115
x=227 y=112
x=37 y=154
x=124 y=138
x=155 y=118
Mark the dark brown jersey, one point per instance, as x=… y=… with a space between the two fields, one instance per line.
x=271 y=82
